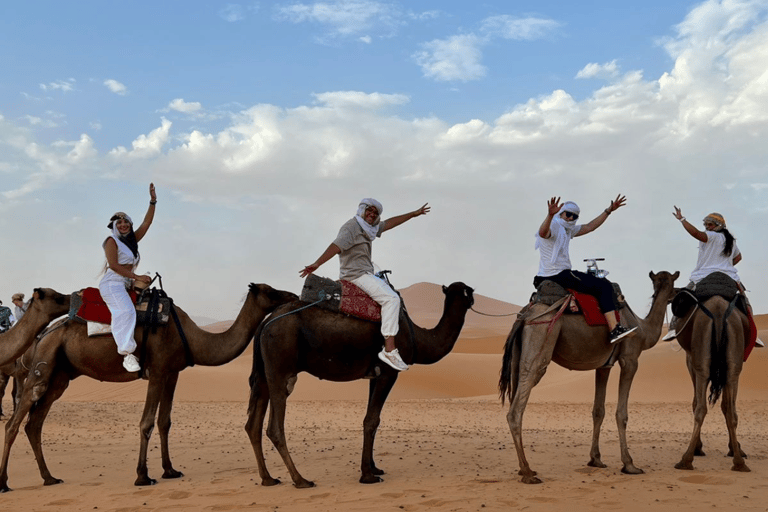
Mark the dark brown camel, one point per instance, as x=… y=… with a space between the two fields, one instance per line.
x=46 y=305
x=573 y=344
x=333 y=346
x=714 y=353
x=67 y=353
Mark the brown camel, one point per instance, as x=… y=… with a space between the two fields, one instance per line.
x=339 y=348
x=67 y=353
x=714 y=353
x=573 y=344
x=46 y=305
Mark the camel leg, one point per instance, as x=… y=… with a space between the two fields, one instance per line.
x=598 y=414
x=378 y=391
x=276 y=430
x=146 y=425
x=723 y=405
x=732 y=421
x=4 y=377
x=164 y=425
x=699 y=413
x=32 y=392
x=627 y=375
x=255 y=426
x=698 y=449
x=57 y=384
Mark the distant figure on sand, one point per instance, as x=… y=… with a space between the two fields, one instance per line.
x=122 y=252
x=718 y=252
x=553 y=240
x=353 y=244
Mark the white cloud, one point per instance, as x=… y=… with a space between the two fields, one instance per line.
x=455 y=58
x=116 y=87
x=344 y=17
x=67 y=85
x=187 y=107
x=345 y=99
x=594 y=70
x=146 y=146
x=232 y=13
x=521 y=29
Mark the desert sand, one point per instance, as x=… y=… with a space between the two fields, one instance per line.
x=443 y=441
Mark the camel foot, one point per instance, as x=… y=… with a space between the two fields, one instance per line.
x=304 y=484
x=172 y=473
x=144 y=480
x=698 y=452
x=529 y=472
x=370 y=479
x=531 y=480
x=742 y=468
x=684 y=465
x=376 y=471
x=4 y=489
x=53 y=481
x=269 y=482
x=596 y=463
x=632 y=470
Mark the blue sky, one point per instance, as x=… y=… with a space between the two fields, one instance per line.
x=262 y=124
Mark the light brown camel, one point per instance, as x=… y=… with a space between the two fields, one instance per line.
x=67 y=353
x=573 y=344
x=714 y=353
x=336 y=347
x=46 y=305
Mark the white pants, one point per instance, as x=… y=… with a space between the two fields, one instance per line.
x=384 y=295
x=123 y=311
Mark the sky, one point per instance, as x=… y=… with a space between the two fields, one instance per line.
x=263 y=124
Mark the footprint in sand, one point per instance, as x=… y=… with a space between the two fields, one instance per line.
x=706 y=480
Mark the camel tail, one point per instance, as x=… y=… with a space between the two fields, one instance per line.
x=718 y=364
x=510 y=366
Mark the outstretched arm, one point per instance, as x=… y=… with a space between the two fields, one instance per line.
x=598 y=221
x=393 y=222
x=690 y=228
x=553 y=206
x=329 y=253
x=142 y=230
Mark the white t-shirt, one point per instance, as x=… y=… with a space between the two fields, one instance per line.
x=711 y=258
x=549 y=266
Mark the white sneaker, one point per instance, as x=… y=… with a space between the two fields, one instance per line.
x=130 y=363
x=672 y=334
x=393 y=359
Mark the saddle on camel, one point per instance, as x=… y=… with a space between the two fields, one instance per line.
x=343 y=296
x=569 y=301
x=688 y=300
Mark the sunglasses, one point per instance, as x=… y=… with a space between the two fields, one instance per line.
x=570 y=215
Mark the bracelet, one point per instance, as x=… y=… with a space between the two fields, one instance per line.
x=607 y=211
x=153 y=202
x=681 y=220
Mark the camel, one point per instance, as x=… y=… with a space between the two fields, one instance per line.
x=336 y=347
x=67 y=353
x=571 y=343
x=714 y=354
x=46 y=305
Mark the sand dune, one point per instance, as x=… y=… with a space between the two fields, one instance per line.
x=444 y=441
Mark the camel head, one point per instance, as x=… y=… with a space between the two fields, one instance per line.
x=459 y=291
x=49 y=298
x=663 y=280
x=269 y=298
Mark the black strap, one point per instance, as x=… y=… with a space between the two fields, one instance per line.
x=187 y=351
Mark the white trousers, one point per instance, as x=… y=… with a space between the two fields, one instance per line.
x=381 y=292
x=123 y=311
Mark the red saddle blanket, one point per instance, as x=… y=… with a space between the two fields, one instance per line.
x=94 y=309
x=591 y=309
x=356 y=302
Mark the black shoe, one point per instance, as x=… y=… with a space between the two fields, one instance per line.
x=620 y=332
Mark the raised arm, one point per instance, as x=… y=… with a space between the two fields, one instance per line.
x=603 y=216
x=329 y=253
x=393 y=222
x=553 y=206
x=690 y=228
x=142 y=230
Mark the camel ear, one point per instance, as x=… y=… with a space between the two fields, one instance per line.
x=39 y=293
x=445 y=290
x=651 y=274
x=675 y=275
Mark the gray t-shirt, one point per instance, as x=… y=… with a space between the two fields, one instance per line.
x=355 y=257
